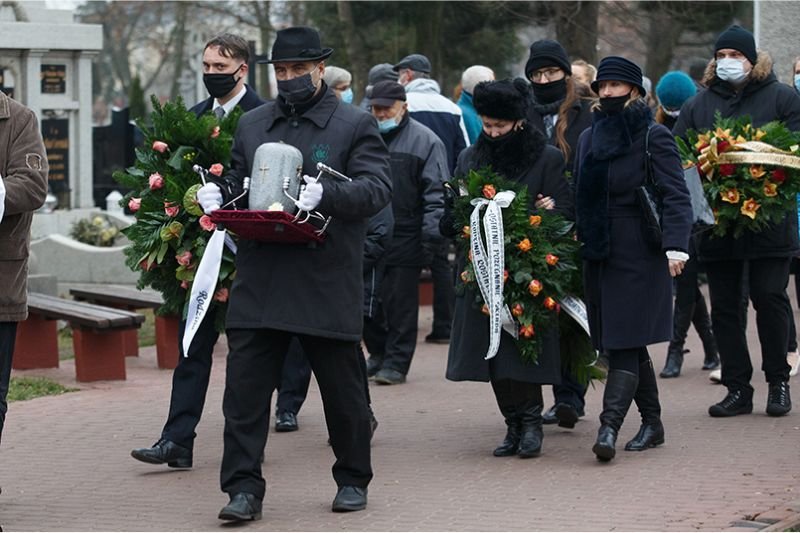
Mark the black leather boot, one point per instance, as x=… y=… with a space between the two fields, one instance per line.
x=702 y=323
x=681 y=320
x=651 y=432
x=620 y=388
x=506 y=394
x=530 y=442
x=510 y=444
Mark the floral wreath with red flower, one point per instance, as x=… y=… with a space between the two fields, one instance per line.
x=542 y=267
x=751 y=176
x=170 y=232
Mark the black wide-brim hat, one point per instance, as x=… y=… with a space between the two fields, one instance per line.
x=299 y=43
x=616 y=68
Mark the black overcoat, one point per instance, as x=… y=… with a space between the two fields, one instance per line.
x=579 y=117
x=314 y=290
x=628 y=294
x=469 y=338
x=763 y=99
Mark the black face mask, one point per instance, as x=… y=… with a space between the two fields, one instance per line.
x=219 y=85
x=547 y=93
x=501 y=138
x=614 y=104
x=298 y=89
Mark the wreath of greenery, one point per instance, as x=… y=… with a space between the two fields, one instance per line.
x=542 y=267
x=752 y=175
x=171 y=231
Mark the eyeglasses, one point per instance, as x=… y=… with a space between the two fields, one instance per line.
x=549 y=73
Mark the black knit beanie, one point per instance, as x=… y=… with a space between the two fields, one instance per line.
x=615 y=68
x=503 y=99
x=739 y=39
x=547 y=53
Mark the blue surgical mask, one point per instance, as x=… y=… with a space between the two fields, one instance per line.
x=731 y=70
x=797 y=82
x=385 y=126
x=347 y=96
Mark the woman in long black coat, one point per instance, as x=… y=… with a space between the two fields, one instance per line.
x=627 y=283
x=520 y=153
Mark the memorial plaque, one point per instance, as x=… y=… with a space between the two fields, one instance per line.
x=54 y=79
x=55 y=132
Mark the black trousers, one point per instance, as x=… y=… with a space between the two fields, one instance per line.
x=444 y=296
x=8 y=336
x=254 y=367
x=570 y=391
x=767 y=282
x=400 y=295
x=295 y=379
x=190 y=383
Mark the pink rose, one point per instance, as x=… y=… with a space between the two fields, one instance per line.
x=184 y=259
x=159 y=146
x=215 y=132
x=216 y=169
x=184 y=284
x=170 y=209
x=144 y=265
x=221 y=295
x=134 y=204
x=206 y=224
x=156 y=181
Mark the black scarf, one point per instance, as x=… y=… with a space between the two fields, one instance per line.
x=547 y=109
x=513 y=156
x=612 y=136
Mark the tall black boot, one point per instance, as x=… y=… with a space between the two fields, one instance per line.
x=681 y=320
x=530 y=442
x=651 y=432
x=507 y=401
x=702 y=323
x=620 y=388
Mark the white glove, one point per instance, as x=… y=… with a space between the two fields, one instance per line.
x=310 y=195
x=209 y=196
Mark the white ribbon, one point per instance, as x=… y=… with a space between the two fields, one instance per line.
x=203 y=286
x=489 y=263
x=577 y=310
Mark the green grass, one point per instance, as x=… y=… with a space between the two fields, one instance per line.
x=147 y=336
x=27 y=388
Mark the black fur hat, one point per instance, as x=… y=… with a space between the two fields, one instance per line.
x=503 y=99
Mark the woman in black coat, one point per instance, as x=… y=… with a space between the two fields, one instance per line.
x=520 y=153
x=627 y=283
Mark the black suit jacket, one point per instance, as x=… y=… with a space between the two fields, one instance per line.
x=249 y=101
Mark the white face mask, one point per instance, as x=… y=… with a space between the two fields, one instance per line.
x=673 y=114
x=797 y=82
x=731 y=70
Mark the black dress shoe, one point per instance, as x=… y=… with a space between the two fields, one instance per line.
x=349 y=498
x=286 y=421
x=243 y=506
x=737 y=402
x=165 y=451
x=437 y=338
x=567 y=415
x=550 y=416
x=389 y=376
x=778 y=401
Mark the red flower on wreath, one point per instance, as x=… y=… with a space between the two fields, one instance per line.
x=535 y=287
x=526 y=331
x=525 y=245
x=551 y=259
x=549 y=303
x=779 y=175
x=518 y=309
x=727 y=170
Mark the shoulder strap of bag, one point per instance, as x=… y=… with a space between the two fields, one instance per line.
x=649 y=179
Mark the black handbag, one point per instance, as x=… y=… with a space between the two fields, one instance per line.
x=650 y=200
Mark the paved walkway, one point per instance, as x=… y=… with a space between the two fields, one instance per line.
x=66 y=465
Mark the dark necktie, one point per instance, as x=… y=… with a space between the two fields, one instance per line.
x=220 y=112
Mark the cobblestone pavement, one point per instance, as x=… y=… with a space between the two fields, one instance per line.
x=66 y=461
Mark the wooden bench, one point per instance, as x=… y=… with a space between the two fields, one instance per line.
x=167 y=350
x=97 y=337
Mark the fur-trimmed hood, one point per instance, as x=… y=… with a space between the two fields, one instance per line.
x=761 y=70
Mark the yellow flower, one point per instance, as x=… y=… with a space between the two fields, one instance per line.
x=723 y=134
x=770 y=189
x=749 y=208
x=759 y=134
x=757 y=171
x=703 y=140
x=731 y=196
x=535 y=220
x=524 y=245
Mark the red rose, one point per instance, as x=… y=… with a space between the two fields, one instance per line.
x=727 y=170
x=216 y=169
x=779 y=175
x=723 y=146
x=215 y=132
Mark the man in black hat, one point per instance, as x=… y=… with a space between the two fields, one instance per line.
x=225 y=56
x=419 y=165
x=312 y=292
x=740 y=82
